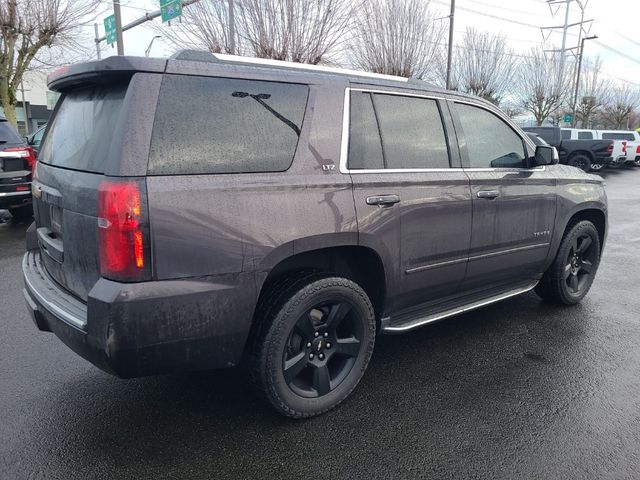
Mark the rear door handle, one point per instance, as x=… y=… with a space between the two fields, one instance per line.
x=383 y=200
x=490 y=194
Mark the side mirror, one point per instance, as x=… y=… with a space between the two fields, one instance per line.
x=545 y=155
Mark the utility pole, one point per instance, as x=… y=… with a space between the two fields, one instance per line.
x=120 y=29
x=116 y=12
x=24 y=108
x=574 y=120
x=565 y=28
x=95 y=29
x=450 y=52
x=232 y=28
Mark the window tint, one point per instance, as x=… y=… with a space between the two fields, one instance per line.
x=8 y=134
x=618 y=136
x=412 y=132
x=37 y=137
x=490 y=141
x=81 y=131
x=585 y=136
x=365 y=147
x=222 y=125
x=566 y=134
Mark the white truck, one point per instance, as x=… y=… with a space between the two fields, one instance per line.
x=626 y=143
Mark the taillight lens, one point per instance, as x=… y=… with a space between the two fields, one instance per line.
x=610 y=148
x=638 y=149
x=624 y=146
x=123 y=230
x=27 y=153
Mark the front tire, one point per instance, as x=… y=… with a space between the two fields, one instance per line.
x=571 y=274
x=581 y=161
x=314 y=346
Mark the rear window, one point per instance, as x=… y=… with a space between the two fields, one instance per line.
x=81 y=131
x=222 y=125
x=585 y=136
x=8 y=134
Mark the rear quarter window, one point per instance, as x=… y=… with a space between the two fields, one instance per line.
x=222 y=125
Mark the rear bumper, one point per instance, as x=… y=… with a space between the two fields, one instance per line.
x=138 y=329
x=15 y=199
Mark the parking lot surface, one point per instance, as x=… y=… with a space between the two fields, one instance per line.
x=520 y=389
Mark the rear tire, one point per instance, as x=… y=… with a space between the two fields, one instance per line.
x=313 y=345
x=580 y=161
x=22 y=213
x=571 y=274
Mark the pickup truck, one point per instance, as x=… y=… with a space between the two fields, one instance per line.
x=586 y=155
x=631 y=137
x=623 y=148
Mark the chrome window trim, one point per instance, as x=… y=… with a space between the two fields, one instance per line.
x=344 y=144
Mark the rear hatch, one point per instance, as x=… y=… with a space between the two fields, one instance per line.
x=72 y=162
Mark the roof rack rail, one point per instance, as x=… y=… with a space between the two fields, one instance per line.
x=204 y=56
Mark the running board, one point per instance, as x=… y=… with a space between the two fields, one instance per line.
x=441 y=315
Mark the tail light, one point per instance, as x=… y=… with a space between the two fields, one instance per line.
x=624 y=146
x=123 y=230
x=27 y=153
x=610 y=147
x=638 y=150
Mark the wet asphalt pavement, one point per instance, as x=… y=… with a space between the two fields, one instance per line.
x=518 y=390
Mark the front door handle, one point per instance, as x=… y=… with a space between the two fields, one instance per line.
x=383 y=200
x=489 y=194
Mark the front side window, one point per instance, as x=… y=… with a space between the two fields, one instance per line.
x=395 y=132
x=224 y=125
x=490 y=141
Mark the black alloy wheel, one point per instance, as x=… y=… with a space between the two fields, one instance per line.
x=580 y=264
x=315 y=337
x=572 y=272
x=321 y=349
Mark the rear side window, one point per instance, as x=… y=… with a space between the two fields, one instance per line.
x=585 y=136
x=365 y=146
x=618 y=136
x=396 y=132
x=222 y=125
x=412 y=132
x=566 y=134
x=8 y=134
x=81 y=131
x=491 y=142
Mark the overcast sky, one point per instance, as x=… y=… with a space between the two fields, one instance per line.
x=616 y=22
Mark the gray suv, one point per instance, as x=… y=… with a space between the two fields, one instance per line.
x=207 y=211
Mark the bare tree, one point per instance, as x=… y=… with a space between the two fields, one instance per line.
x=483 y=65
x=396 y=37
x=305 y=31
x=541 y=88
x=593 y=93
x=205 y=24
x=29 y=29
x=618 y=111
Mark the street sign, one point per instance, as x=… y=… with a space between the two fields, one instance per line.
x=110 y=29
x=568 y=118
x=170 y=9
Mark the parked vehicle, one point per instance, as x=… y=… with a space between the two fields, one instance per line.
x=620 y=150
x=17 y=161
x=586 y=155
x=633 y=143
x=35 y=140
x=208 y=211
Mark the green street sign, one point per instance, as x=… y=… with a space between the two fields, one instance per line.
x=568 y=118
x=170 y=9
x=110 y=29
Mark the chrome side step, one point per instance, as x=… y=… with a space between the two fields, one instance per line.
x=437 y=316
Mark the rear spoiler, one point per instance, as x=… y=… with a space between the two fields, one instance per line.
x=103 y=71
